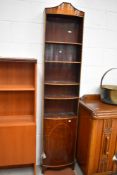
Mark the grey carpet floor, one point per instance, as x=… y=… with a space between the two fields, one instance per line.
x=28 y=171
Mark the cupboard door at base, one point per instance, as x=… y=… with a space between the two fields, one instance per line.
x=17 y=145
x=59 y=141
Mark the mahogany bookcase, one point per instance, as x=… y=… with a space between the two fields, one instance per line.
x=62 y=60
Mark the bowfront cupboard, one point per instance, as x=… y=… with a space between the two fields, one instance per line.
x=63 y=57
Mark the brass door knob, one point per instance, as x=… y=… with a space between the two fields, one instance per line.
x=69 y=121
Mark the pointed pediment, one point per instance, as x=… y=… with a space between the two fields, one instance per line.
x=65 y=9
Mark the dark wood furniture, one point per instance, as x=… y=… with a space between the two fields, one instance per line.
x=63 y=52
x=97 y=136
x=17 y=112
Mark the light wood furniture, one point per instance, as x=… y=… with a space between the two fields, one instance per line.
x=17 y=112
x=97 y=136
x=63 y=52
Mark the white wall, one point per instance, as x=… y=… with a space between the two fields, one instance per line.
x=22 y=31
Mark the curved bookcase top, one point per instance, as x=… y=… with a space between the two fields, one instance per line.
x=65 y=9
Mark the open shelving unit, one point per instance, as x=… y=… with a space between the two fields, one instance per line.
x=17 y=112
x=63 y=57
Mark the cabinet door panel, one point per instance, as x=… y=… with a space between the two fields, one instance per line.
x=112 y=165
x=17 y=145
x=59 y=140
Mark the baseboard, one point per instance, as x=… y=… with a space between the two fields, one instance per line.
x=78 y=170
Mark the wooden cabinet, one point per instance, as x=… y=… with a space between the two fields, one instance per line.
x=97 y=136
x=63 y=52
x=17 y=112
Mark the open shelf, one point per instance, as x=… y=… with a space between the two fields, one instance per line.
x=62 y=73
x=65 y=53
x=14 y=74
x=61 y=28
x=17 y=103
x=60 y=115
x=61 y=83
x=16 y=88
x=60 y=42
x=61 y=92
x=61 y=106
x=64 y=62
x=62 y=97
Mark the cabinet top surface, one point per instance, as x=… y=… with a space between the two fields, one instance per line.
x=65 y=9
x=13 y=59
x=98 y=108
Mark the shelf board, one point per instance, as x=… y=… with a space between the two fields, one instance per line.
x=14 y=59
x=13 y=119
x=62 y=97
x=61 y=83
x=16 y=88
x=64 y=62
x=60 y=42
x=60 y=115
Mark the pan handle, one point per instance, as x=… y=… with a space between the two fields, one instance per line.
x=104 y=76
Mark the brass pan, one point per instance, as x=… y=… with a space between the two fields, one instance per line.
x=108 y=92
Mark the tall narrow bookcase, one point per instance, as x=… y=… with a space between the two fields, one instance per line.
x=17 y=112
x=63 y=52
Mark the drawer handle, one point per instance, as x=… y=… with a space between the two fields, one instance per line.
x=106 y=145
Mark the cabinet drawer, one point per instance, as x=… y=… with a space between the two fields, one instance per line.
x=17 y=145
